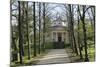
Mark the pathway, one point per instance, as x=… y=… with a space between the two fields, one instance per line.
x=55 y=56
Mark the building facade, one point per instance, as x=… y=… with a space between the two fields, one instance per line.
x=59 y=34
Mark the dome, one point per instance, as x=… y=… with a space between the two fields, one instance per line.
x=60 y=24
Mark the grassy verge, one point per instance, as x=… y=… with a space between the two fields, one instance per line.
x=76 y=58
x=72 y=56
x=32 y=61
x=91 y=53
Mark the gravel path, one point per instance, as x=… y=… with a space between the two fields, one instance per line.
x=55 y=56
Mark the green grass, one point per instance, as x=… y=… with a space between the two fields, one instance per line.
x=33 y=60
x=27 y=62
x=74 y=57
x=91 y=53
x=49 y=45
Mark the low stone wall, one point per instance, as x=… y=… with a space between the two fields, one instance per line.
x=58 y=45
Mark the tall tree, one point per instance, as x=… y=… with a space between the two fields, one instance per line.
x=34 y=24
x=20 y=33
x=22 y=24
x=39 y=27
x=13 y=44
x=93 y=15
x=82 y=17
x=67 y=12
x=72 y=27
x=78 y=34
x=43 y=26
x=94 y=25
x=27 y=30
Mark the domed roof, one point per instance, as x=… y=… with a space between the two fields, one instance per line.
x=59 y=24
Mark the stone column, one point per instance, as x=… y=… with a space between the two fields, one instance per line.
x=56 y=36
x=52 y=36
x=67 y=39
x=62 y=35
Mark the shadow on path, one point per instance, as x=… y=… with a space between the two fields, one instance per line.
x=55 y=56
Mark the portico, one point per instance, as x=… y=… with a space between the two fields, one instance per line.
x=59 y=34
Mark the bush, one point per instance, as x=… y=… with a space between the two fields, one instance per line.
x=49 y=45
x=67 y=45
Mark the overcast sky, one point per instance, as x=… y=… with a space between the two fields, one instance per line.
x=58 y=9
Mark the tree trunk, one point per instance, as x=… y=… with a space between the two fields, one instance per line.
x=39 y=27
x=27 y=30
x=94 y=29
x=43 y=27
x=20 y=34
x=69 y=33
x=22 y=25
x=93 y=14
x=72 y=28
x=84 y=33
x=13 y=44
x=79 y=45
x=34 y=24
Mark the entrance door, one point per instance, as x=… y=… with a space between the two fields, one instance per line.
x=59 y=44
x=59 y=37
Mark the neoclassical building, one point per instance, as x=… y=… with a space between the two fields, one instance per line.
x=59 y=34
